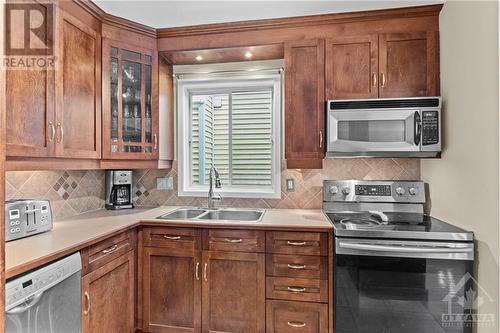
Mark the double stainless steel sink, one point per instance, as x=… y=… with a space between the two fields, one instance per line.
x=223 y=214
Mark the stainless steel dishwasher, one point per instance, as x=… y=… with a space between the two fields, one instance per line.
x=45 y=300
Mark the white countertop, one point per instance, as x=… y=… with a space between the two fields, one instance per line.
x=70 y=235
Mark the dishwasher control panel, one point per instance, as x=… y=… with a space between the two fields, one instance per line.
x=29 y=287
x=24 y=218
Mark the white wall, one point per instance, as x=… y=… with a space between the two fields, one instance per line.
x=464 y=184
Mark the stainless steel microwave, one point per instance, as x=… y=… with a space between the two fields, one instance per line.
x=386 y=127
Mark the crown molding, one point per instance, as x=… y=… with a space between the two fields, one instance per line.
x=115 y=21
x=300 y=21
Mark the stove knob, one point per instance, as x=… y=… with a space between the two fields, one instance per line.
x=346 y=190
x=333 y=189
x=400 y=190
x=412 y=191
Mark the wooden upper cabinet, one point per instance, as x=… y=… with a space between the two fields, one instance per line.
x=130 y=101
x=304 y=103
x=171 y=290
x=408 y=64
x=233 y=292
x=78 y=90
x=29 y=109
x=108 y=297
x=351 y=67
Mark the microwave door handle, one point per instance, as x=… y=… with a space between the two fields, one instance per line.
x=417 y=121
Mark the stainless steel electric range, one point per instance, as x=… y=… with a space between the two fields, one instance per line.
x=396 y=269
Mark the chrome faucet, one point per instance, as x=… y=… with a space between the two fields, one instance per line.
x=211 y=197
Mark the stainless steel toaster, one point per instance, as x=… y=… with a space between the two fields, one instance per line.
x=26 y=217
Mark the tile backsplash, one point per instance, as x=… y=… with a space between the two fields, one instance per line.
x=308 y=183
x=76 y=192
x=70 y=192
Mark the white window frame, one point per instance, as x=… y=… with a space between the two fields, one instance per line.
x=187 y=87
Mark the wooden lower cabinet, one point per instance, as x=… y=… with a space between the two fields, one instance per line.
x=171 y=290
x=187 y=287
x=300 y=317
x=233 y=292
x=108 y=297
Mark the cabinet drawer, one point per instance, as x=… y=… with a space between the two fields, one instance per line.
x=309 y=267
x=234 y=240
x=307 y=243
x=287 y=317
x=173 y=238
x=294 y=289
x=97 y=255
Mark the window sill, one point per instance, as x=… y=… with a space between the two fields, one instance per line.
x=233 y=193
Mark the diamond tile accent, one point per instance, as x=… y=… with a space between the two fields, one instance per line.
x=70 y=192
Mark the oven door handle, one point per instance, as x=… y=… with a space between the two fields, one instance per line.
x=414 y=249
x=417 y=121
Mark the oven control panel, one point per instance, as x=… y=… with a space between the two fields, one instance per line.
x=373 y=191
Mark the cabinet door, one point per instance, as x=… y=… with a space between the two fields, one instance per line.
x=108 y=297
x=78 y=93
x=351 y=67
x=233 y=292
x=29 y=108
x=130 y=101
x=408 y=64
x=171 y=290
x=304 y=103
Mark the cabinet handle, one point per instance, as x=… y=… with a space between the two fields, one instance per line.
x=382 y=80
x=292 y=243
x=205 y=272
x=197 y=271
x=87 y=298
x=52 y=131
x=296 y=324
x=321 y=139
x=296 y=289
x=61 y=132
x=155 y=141
x=294 y=266
x=374 y=79
x=234 y=240
x=111 y=249
x=171 y=237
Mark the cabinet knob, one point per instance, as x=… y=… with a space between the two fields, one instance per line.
x=155 y=141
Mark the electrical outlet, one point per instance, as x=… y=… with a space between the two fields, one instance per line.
x=290 y=185
x=164 y=183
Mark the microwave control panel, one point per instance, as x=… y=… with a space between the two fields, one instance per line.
x=430 y=128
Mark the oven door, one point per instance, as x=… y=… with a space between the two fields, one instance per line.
x=386 y=286
x=365 y=131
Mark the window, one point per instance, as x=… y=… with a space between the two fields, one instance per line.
x=234 y=125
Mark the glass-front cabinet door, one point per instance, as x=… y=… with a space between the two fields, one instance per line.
x=130 y=108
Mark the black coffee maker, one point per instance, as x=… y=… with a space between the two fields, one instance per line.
x=119 y=189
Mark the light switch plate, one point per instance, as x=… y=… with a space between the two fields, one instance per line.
x=290 y=185
x=164 y=183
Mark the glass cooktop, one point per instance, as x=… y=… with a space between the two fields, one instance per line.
x=396 y=225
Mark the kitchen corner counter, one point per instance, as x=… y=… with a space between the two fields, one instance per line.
x=72 y=235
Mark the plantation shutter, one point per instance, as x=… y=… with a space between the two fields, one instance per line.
x=233 y=131
x=251 y=138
